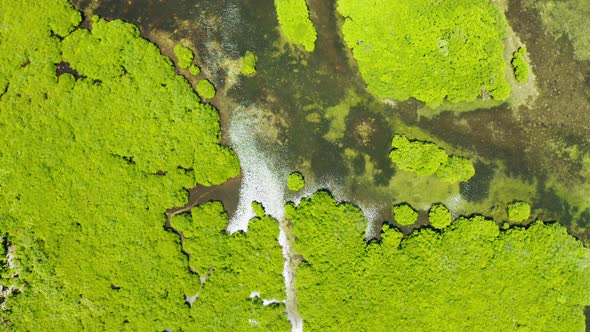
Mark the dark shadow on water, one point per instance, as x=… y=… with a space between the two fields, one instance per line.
x=477 y=188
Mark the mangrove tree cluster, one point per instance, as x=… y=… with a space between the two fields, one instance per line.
x=99 y=138
x=469 y=276
x=425 y=158
x=295 y=24
x=430 y=50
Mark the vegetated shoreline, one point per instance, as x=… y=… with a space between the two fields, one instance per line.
x=177 y=213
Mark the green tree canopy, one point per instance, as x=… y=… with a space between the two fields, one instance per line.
x=456 y=169
x=205 y=89
x=294 y=22
x=519 y=65
x=422 y=158
x=425 y=158
x=518 y=211
x=90 y=162
x=439 y=216
x=469 y=276
x=404 y=214
x=231 y=267
x=248 y=64
x=430 y=50
x=184 y=56
x=295 y=181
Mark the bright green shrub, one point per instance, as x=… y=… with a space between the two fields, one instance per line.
x=469 y=277
x=194 y=70
x=519 y=65
x=430 y=50
x=404 y=214
x=184 y=56
x=294 y=22
x=205 y=89
x=248 y=64
x=518 y=211
x=456 y=169
x=258 y=209
x=419 y=157
x=295 y=181
x=424 y=158
x=439 y=216
x=88 y=168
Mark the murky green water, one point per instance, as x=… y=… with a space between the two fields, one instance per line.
x=313 y=114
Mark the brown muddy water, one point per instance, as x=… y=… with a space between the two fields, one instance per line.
x=310 y=112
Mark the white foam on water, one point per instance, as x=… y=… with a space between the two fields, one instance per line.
x=262 y=180
x=289 y=276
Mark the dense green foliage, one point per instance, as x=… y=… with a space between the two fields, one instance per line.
x=184 y=56
x=422 y=158
x=430 y=50
x=519 y=65
x=439 y=216
x=470 y=276
x=248 y=64
x=425 y=158
x=205 y=89
x=258 y=209
x=518 y=211
x=295 y=181
x=456 y=169
x=232 y=267
x=89 y=162
x=404 y=214
x=194 y=70
x=294 y=22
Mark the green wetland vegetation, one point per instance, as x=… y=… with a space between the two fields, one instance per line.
x=294 y=165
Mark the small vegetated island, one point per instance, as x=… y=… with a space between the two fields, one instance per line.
x=294 y=23
x=431 y=50
x=425 y=158
x=248 y=61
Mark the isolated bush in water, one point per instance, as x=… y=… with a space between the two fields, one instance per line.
x=248 y=64
x=422 y=158
x=294 y=22
x=404 y=214
x=184 y=56
x=205 y=89
x=425 y=158
x=456 y=169
x=519 y=65
x=295 y=181
x=518 y=211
